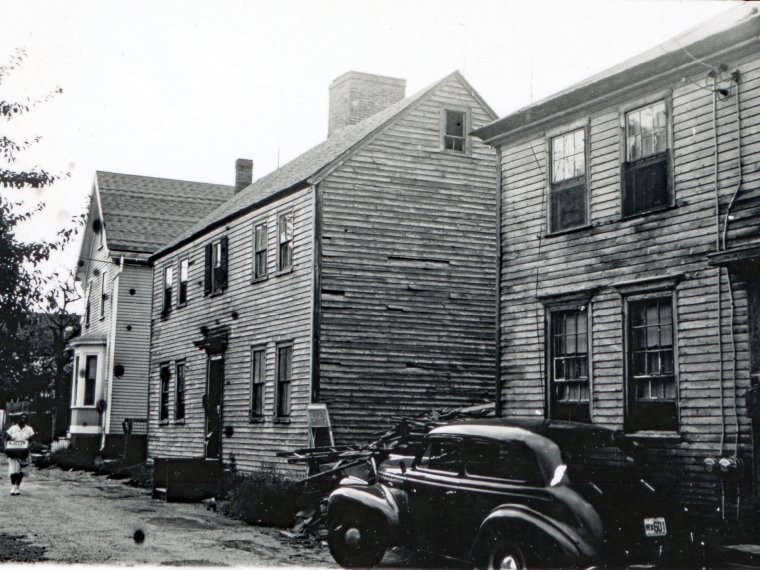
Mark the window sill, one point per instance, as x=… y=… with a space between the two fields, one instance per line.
x=651 y=435
x=569 y=231
x=260 y=279
x=281 y=420
x=181 y=305
x=283 y=271
x=179 y=422
x=163 y=423
x=648 y=212
x=165 y=314
x=256 y=420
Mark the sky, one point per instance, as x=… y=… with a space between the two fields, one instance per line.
x=181 y=89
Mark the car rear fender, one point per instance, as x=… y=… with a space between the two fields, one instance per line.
x=539 y=532
x=376 y=499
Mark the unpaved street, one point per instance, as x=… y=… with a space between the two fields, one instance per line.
x=75 y=517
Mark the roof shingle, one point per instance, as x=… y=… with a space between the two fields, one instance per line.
x=142 y=213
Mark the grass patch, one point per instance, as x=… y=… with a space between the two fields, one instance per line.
x=266 y=497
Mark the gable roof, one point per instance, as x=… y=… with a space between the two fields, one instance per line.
x=142 y=213
x=301 y=170
x=663 y=62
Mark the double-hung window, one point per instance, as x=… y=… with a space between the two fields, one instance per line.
x=567 y=197
x=215 y=273
x=90 y=379
x=260 y=251
x=646 y=169
x=285 y=241
x=569 y=366
x=284 y=374
x=258 y=379
x=167 y=296
x=163 y=401
x=454 y=131
x=651 y=378
x=184 y=267
x=179 y=392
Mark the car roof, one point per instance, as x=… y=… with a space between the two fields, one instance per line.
x=566 y=434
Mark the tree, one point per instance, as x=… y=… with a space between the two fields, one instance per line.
x=22 y=285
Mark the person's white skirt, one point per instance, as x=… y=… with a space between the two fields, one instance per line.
x=15 y=466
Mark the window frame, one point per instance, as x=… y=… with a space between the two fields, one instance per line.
x=87 y=359
x=253 y=415
x=631 y=425
x=88 y=306
x=278 y=413
x=417 y=463
x=666 y=96
x=180 y=396
x=163 y=392
x=281 y=269
x=167 y=289
x=466 y=139
x=583 y=309
x=552 y=188
x=183 y=287
x=75 y=383
x=216 y=257
x=467 y=448
x=254 y=252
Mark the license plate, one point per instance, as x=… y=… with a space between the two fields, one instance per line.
x=655 y=527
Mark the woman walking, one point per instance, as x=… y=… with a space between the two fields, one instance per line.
x=17 y=449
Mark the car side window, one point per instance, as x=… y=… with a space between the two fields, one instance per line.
x=510 y=460
x=442 y=454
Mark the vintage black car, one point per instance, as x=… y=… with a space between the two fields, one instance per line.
x=512 y=494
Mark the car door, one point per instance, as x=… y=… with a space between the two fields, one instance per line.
x=433 y=482
x=496 y=473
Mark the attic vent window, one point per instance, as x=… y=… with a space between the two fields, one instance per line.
x=453 y=138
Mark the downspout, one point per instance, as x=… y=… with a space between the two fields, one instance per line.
x=111 y=349
x=497 y=370
x=713 y=75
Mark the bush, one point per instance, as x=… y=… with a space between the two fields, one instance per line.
x=70 y=458
x=139 y=475
x=266 y=497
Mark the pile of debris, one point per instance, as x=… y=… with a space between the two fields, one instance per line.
x=328 y=465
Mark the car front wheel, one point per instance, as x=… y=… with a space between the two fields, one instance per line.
x=356 y=540
x=505 y=556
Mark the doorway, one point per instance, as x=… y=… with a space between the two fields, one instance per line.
x=213 y=407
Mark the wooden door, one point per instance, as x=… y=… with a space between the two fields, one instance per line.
x=213 y=405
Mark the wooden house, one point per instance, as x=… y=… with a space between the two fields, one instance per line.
x=359 y=276
x=628 y=291
x=129 y=218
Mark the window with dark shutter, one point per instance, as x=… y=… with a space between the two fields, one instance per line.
x=207 y=270
x=216 y=266
x=221 y=277
x=163 y=402
x=568 y=181
x=651 y=378
x=646 y=171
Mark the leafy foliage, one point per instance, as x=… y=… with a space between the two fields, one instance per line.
x=32 y=356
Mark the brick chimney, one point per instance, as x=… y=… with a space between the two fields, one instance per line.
x=243 y=173
x=355 y=96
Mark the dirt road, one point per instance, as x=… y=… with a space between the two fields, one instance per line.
x=75 y=517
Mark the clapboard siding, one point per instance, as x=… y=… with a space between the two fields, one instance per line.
x=407 y=297
x=129 y=394
x=612 y=250
x=264 y=313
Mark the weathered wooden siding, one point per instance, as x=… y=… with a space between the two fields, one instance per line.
x=408 y=273
x=129 y=394
x=263 y=313
x=613 y=250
